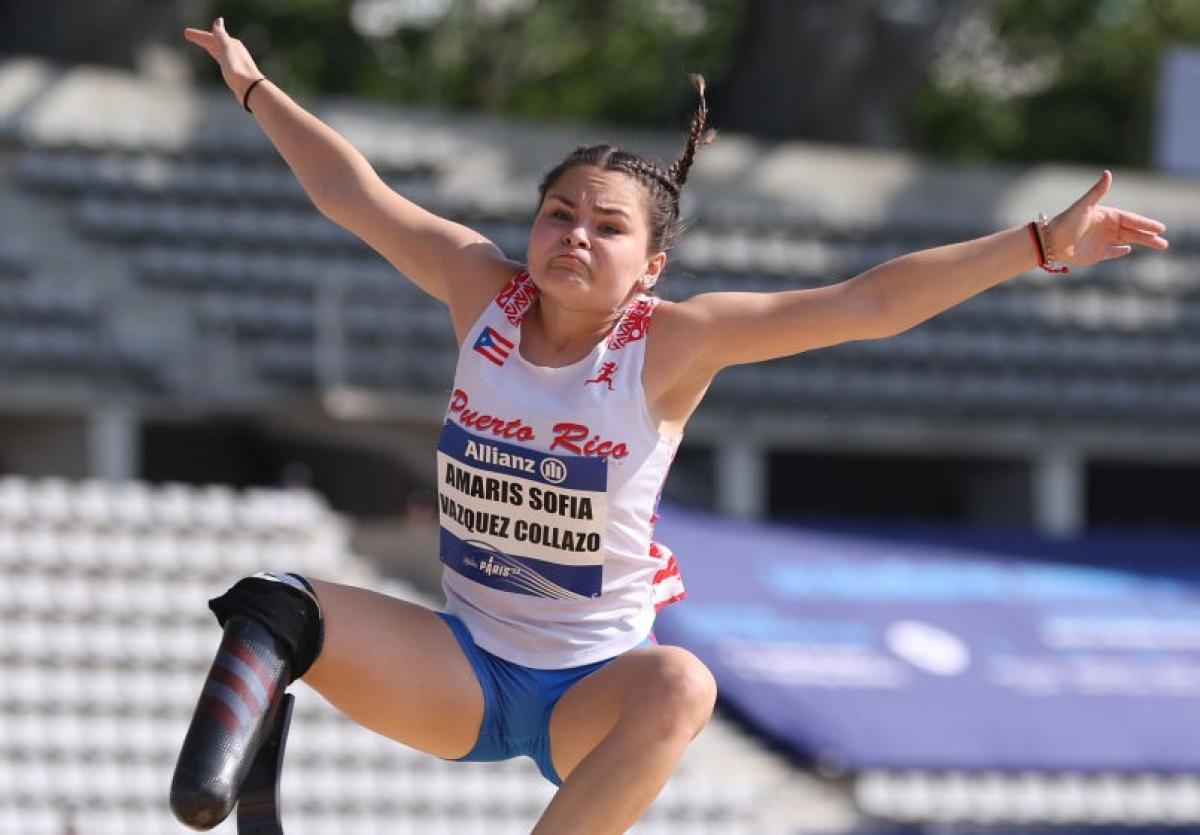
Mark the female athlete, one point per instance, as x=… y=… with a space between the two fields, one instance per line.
x=573 y=386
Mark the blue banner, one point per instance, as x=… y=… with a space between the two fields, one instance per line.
x=862 y=653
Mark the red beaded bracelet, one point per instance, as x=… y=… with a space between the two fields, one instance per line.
x=1036 y=231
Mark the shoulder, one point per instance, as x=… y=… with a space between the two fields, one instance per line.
x=677 y=371
x=695 y=332
x=673 y=316
x=673 y=330
x=488 y=283
x=489 y=277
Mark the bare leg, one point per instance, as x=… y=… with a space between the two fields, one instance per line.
x=617 y=735
x=396 y=668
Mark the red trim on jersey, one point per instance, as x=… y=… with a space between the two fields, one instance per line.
x=516 y=297
x=667 y=586
x=634 y=324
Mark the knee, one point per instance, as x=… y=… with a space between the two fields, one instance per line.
x=678 y=696
x=286 y=605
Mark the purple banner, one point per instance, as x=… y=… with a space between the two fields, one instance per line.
x=862 y=653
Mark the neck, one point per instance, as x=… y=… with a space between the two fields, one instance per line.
x=562 y=335
x=562 y=330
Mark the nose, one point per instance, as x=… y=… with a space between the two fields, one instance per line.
x=576 y=238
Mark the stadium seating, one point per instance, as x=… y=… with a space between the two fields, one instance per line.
x=105 y=640
x=216 y=223
x=1030 y=798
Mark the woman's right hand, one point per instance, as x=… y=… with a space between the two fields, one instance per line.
x=237 y=67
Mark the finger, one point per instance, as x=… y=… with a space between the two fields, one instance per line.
x=198 y=36
x=205 y=41
x=1139 y=236
x=1129 y=220
x=1116 y=251
x=219 y=27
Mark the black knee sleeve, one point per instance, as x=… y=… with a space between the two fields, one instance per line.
x=286 y=605
x=272 y=635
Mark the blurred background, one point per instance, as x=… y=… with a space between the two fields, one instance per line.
x=949 y=582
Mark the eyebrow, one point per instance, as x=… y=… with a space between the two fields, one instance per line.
x=608 y=210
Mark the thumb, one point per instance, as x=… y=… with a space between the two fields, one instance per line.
x=200 y=37
x=1096 y=193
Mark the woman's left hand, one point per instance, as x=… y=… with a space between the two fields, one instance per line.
x=1087 y=232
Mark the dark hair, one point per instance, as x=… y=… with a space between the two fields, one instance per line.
x=661 y=187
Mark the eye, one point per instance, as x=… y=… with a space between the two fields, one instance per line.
x=559 y=214
x=609 y=229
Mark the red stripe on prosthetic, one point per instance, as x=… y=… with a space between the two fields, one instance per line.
x=221 y=712
x=234 y=682
x=243 y=653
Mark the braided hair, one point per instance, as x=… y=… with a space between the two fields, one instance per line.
x=662 y=187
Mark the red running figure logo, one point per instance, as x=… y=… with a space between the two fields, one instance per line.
x=605 y=376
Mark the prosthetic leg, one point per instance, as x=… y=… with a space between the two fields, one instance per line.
x=272 y=627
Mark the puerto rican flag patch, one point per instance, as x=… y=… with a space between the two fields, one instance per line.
x=493 y=346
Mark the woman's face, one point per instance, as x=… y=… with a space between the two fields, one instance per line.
x=588 y=246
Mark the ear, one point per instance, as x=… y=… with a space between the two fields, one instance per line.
x=655 y=264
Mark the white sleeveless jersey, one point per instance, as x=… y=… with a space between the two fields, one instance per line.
x=548 y=480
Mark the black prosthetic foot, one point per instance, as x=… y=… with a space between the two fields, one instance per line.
x=236 y=714
x=258 y=801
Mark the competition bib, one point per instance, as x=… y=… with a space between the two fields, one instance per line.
x=520 y=520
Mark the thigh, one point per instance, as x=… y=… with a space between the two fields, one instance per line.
x=396 y=668
x=639 y=678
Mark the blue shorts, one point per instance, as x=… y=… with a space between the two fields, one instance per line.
x=517 y=703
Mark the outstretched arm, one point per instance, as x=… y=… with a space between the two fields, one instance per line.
x=901 y=293
x=344 y=187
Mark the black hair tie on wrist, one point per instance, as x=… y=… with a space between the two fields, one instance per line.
x=246 y=95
